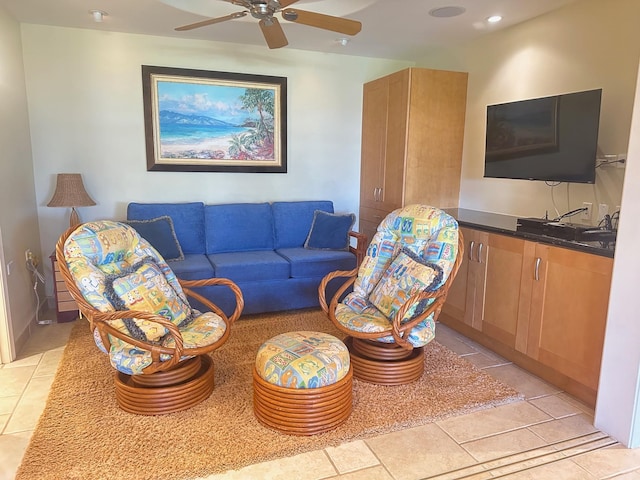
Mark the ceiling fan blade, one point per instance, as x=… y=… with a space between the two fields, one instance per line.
x=319 y=20
x=286 y=3
x=211 y=21
x=273 y=33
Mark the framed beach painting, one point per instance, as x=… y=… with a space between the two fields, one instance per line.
x=205 y=121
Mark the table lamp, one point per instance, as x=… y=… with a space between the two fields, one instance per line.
x=70 y=192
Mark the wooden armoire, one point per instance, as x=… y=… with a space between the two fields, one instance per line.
x=412 y=133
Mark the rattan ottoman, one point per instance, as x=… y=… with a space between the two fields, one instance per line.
x=302 y=383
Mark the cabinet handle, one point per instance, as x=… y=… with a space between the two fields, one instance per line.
x=537 y=269
x=375 y=194
x=471 y=245
x=480 y=245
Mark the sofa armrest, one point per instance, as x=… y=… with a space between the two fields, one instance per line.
x=360 y=250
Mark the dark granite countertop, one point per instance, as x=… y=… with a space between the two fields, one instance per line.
x=507 y=225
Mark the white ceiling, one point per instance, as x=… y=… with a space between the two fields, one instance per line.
x=398 y=29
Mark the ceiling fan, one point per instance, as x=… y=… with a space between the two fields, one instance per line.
x=264 y=10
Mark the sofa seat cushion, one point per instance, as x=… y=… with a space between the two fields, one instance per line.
x=255 y=265
x=193 y=267
x=307 y=263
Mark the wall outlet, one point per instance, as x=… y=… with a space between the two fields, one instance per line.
x=28 y=255
x=586 y=214
x=603 y=209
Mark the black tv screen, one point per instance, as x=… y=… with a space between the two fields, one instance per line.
x=552 y=138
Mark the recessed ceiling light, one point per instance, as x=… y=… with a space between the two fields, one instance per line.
x=342 y=41
x=445 y=12
x=494 y=18
x=98 y=15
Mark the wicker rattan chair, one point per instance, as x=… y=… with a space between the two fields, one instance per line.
x=398 y=293
x=139 y=315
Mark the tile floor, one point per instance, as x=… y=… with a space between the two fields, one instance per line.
x=549 y=435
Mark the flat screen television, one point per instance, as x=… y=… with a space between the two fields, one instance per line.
x=552 y=138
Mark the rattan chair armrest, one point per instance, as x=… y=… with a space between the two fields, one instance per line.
x=102 y=321
x=360 y=250
x=322 y=288
x=187 y=286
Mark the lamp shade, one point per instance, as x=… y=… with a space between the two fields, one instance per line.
x=70 y=192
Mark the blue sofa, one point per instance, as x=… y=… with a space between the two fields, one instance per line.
x=260 y=246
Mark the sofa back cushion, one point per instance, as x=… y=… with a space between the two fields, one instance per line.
x=188 y=221
x=238 y=227
x=292 y=221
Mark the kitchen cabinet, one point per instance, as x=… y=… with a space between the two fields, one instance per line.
x=412 y=133
x=569 y=303
x=542 y=306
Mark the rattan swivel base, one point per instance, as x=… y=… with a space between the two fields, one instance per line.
x=384 y=363
x=302 y=411
x=188 y=384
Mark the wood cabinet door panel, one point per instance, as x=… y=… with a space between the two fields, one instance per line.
x=476 y=283
x=568 y=312
x=455 y=306
x=504 y=288
x=396 y=133
x=374 y=137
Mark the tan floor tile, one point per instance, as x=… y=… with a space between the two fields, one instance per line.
x=609 y=461
x=49 y=363
x=27 y=361
x=352 y=456
x=577 y=403
x=374 y=473
x=564 y=428
x=306 y=466
x=12 y=448
x=454 y=344
x=635 y=475
x=419 y=452
x=4 y=419
x=518 y=378
x=559 y=470
x=556 y=406
x=13 y=381
x=7 y=404
x=502 y=445
x=484 y=423
x=481 y=360
x=28 y=411
x=47 y=337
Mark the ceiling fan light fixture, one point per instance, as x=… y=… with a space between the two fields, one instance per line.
x=98 y=15
x=446 y=12
x=343 y=41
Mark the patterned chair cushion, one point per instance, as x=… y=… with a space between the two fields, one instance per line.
x=431 y=237
x=303 y=360
x=115 y=269
x=404 y=277
x=204 y=330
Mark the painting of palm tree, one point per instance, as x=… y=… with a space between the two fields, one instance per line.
x=212 y=121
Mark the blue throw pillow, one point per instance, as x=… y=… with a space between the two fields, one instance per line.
x=329 y=231
x=159 y=232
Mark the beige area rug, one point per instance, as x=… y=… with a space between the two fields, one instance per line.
x=82 y=433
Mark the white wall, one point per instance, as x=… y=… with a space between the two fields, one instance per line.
x=586 y=45
x=85 y=108
x=618 y=407
x=18 y=214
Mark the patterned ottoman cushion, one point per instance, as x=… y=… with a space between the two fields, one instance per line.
x=303 y=360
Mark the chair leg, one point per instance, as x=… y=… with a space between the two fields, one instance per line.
x=182 y=387
x=384 y=364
